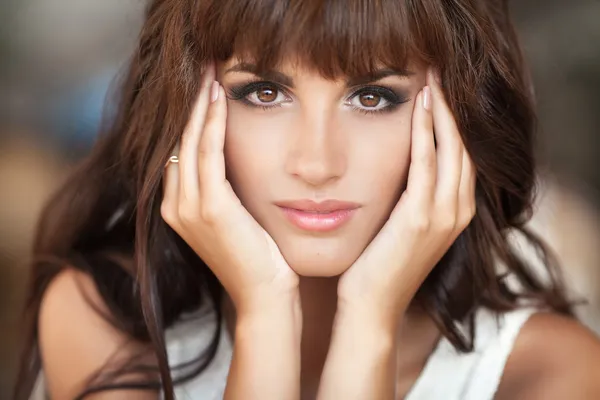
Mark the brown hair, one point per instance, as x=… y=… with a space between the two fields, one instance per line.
x=111 y=203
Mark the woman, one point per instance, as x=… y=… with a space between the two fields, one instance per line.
x=324 y=191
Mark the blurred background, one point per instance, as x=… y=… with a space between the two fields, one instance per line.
x=58 y=57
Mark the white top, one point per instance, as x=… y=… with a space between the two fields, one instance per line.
x=447 y=375
x=451 y=375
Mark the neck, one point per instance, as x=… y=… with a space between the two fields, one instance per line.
x=319 y=300
x=417 y=335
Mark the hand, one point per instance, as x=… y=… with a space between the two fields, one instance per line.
x=438 y=204
x=201 y=206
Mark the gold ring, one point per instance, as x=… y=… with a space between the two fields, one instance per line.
x=172 y=159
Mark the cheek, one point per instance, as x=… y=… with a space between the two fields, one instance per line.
x=252 y=152
x=381 y=155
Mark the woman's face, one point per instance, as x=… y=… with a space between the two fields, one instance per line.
x=319 y=164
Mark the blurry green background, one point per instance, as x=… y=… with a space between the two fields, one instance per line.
x=57 y=58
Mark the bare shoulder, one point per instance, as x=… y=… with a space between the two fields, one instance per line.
x=75 y=338
x=554 y=357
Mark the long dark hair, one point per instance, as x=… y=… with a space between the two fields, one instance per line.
x=110 y=204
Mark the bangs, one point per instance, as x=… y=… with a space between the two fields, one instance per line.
x=332 y=37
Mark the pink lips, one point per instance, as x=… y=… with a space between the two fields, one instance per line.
x=318 y=217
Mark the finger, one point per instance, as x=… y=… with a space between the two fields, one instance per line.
x=170 y=187
x=211 y=160
x=171 y=175
x=449 y=148
x=466 y=191
x=188 y=154
x=422 y=172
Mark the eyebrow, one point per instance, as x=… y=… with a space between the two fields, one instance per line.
x=288 y=81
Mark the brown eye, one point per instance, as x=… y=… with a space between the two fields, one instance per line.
x=369 y=99
x=266 y=94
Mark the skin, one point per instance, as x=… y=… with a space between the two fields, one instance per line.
x=364 y=338
x=316 y=146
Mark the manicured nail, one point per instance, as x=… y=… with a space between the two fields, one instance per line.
x=214 y=92
x=427 y=98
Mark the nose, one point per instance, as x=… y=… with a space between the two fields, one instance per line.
x=317 y=152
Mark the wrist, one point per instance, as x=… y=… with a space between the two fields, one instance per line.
x=267 y=301
x=382 y=319
x=363 y=347
x=267 y=342
x=272 y=313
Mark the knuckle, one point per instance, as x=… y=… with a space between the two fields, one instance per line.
x=168 y=213
x=471 y=213
x=210 y=213
x=457 y=149
x=204 y=150
x=187 y=213
x=428 y=160
x=207 y=148
x=206 y=84
x=447 y=222
x=467 y=217
x=420 y=223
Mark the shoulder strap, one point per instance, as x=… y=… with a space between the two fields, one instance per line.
x=472 y=376
x=488 y=371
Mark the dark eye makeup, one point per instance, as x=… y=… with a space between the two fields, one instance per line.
x=370 y=93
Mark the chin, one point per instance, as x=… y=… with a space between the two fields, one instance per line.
x=318 y=261
x=321 y=270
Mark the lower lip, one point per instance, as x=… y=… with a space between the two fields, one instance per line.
x=318 y=222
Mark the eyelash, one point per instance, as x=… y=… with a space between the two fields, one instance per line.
x=241 y=92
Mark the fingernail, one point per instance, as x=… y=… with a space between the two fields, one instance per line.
x=427 y=98
x=214 y=92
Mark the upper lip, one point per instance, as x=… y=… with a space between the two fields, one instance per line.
x=323 y=206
